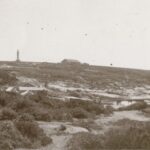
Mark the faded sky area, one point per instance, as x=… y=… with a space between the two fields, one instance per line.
x=94 y=31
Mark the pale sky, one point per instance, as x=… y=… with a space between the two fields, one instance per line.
x=94 y=31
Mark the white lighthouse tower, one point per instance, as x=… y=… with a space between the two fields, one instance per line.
x=18 y=56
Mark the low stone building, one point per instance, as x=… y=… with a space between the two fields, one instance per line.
x=70 y=61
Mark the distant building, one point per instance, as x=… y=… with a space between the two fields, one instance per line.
x=70 y=61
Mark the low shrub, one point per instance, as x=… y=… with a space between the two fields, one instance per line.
x=6 y=77
x=25 y=117
x=11 y=138
x=90 y=107
x=79 y=113
x=62 y=114
x=6 y=145
x=29 y=129
x=85 y=141
x=3 y=101
x=7 y=114
x=62 y=128
x=146 y=110
x=108 y=110
x=135 y=136
x=74 y=93
x=39 y=113
x=22 y=133
x=7 y=99
x=45 y=140
x=32 y=131
x=23 y=104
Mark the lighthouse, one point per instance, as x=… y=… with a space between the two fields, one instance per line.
x=18 y=56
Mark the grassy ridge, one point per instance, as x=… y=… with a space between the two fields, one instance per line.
x=93 y=76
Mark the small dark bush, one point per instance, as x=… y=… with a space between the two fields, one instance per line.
x=7 y=114
x=5 y=77
x=39 y=113
x=25 y=117
x=90 y=107
x=146 y=110
x=79 y=113
x=62 y=128
x=3 y=101
x=23 y=104
x=33 y=132
x=85 y=141
x=45 y=141
x=74 y=93
x=7 y=99
x=135 y=136
x=39 y=96
x=62 y=114
x=130 y=135
x=28 y=128
x=109 y=110
x=10 y=137
x=6 y=145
